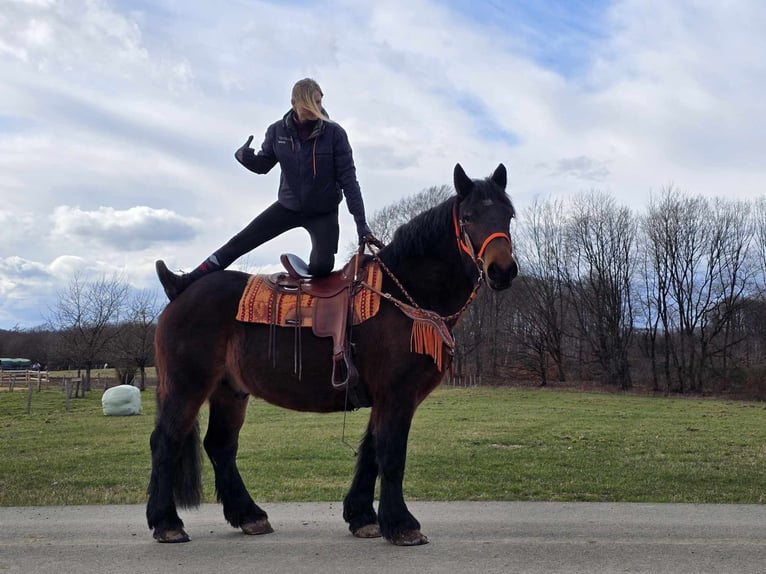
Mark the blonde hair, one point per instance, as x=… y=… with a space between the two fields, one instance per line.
x=303 y=97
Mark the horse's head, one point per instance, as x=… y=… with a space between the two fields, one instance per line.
x=483 y=216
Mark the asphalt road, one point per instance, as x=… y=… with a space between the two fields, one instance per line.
x=466 y=537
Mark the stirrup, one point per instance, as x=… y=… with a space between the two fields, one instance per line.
x=296 y=267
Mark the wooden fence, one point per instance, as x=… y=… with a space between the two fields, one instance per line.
x=27 y=379
x=31 y=379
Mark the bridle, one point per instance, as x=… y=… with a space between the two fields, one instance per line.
x=465 y=245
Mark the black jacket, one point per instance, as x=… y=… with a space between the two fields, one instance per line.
x=316 y=173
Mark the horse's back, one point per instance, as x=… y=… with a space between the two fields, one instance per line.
x=193 y=329
x=210 y=300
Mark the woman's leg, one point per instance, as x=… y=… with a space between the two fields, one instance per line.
x=324 y=231
x=274 y=221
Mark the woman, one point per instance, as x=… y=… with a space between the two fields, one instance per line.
x=317 y=171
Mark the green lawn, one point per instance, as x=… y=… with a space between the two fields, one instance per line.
x=465 y=444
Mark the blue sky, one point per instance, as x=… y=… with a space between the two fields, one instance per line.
x=558 y=35
x=119 y=118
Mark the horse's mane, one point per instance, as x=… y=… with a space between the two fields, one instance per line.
x=418 y=236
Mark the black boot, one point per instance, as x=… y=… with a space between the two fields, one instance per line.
x=173 y=284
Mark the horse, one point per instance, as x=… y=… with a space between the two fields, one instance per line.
x=434 y=264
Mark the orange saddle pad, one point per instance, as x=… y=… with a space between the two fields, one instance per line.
x=261 y=303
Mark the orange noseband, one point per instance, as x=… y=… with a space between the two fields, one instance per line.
x=465 y=244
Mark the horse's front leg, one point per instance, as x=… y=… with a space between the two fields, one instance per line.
x=391 y=424
x=358 y=508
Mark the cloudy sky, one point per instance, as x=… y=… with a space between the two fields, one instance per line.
x=119 y=118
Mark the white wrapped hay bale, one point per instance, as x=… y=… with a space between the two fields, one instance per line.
x=122 y=400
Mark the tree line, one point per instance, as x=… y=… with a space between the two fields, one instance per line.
x=671 y=298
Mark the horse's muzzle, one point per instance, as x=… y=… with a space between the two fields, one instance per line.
x=499 y=277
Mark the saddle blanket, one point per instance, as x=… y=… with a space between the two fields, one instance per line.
x=261 y=303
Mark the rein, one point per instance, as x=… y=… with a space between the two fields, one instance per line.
x=413 y=304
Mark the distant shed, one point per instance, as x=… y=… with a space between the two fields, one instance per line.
x=8 y=364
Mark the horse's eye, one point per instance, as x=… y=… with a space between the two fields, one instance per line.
x=466 y=218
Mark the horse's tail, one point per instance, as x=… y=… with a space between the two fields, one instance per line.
x=175 y=442
x=187 y=488
x=186 y=456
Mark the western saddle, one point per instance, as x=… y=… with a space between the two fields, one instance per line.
x=330 y=316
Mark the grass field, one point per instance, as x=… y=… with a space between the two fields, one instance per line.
x=465 y=444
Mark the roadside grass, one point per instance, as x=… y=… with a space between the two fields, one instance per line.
x=465 y=444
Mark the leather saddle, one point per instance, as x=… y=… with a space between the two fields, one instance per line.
x=329 y=312
x=299 y=277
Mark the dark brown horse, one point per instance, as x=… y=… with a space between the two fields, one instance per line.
x=204 y=354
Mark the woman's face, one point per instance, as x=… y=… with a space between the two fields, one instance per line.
x=305 y=114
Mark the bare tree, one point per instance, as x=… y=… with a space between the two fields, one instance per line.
x=136 y=344
x=542 y=245
x=680 y=242
x=600 y=272
x=759 y=231
x=87 y=315
x=660 y=226
x=733 y=274
x=755 y=316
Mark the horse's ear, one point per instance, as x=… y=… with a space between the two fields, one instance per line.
x=463 y=183
x=500 y=177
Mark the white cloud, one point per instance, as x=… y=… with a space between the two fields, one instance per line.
x=25 y=290
x=581 y=168
x=15 y=268
x=132 y=229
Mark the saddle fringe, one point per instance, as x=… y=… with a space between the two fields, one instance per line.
x=429 y=338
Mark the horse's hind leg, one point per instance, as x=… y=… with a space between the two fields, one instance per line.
x=176 y=470
x=358 y=510
x=227 y=414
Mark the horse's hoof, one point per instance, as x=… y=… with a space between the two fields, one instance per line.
x=171 y=536
x=261 y=526
x=368 y=531
x=411 y=538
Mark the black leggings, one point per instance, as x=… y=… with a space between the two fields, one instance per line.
x=275 y=220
